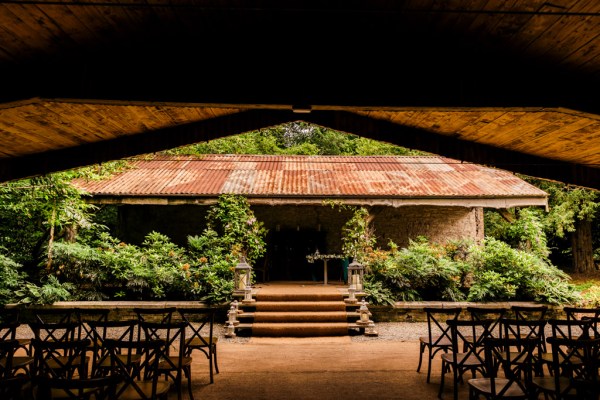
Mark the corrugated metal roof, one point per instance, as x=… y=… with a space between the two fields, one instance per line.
x=312 y=176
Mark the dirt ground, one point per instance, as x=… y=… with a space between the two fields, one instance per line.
x=327 y=368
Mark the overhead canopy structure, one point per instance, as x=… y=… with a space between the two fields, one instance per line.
x=308 y=180
x=506 y=84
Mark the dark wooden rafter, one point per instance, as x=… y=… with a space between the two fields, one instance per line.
x=344 y=121
x=143 y=143
x=462 y=150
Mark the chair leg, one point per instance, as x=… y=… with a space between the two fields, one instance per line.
x=421 y=350
x=442 y=381
x=216 y=363
x=429 y=360
x=188 y=373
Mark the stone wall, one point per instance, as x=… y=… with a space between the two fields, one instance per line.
x=439 y=224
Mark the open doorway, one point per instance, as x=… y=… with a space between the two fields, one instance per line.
x=287 y=251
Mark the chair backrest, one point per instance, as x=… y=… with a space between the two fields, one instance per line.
x=122 y=353
x=123 y=330
x=172 y=333
x=529 y=312
x=495 y=314
x=11 y=384
x=200 y=332
x=55 y=331
x=8 y=347
x=579 y=361
x=8 y=330
x=60 y=359
x=580 y=312
x=515 y=358
x=161 y=314
x=437 y=329
x=86 y=315
x=468 y=339
x=570 y=328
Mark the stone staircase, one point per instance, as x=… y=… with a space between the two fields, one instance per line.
x=297 y=310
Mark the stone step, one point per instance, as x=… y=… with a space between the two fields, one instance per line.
x=288 y=306
x=299 y=297
x=301 y=316
x=299 y=329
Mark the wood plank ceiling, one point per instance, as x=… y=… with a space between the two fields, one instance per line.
x=511 y=84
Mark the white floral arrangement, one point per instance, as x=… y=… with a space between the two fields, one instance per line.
x=311 y=258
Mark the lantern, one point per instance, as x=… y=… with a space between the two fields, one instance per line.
x=355 y=275
x=242 y=276
x=363 y=313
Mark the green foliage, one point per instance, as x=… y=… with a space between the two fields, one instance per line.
x=567 y=205
x=51 y=291
x=505 y=273
x=11 y=279
x=232 y=232
x=31 y=208
x=295 y=138
x=525 y=231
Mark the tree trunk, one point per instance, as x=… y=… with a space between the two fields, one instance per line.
x=581 y=242
x=51 y=239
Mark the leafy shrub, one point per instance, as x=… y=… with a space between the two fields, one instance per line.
x=52 y=290
x=10 y=279
x=504 y=273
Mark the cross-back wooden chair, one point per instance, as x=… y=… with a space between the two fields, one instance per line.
x=13 y=315
x=8 y=332
x=13 y=380
x=575 y=365
x=174 y=364
x=438 y=338
x=144 y=384
x=60 y=370
x=120 y=330
x=466 y=353
x=201 y=335
x=509 y=366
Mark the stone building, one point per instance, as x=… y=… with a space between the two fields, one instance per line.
x=436 y=197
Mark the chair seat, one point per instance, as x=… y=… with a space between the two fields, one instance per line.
x=470 y=360
x=130 y=393
x=547 y=383
x=56 y=363
x=164 y=365
x=483 y=385
x=443 y=342
x=64 y=394
x=134 y=359
x=197 y=343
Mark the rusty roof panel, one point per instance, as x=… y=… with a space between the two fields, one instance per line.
x=320 y=176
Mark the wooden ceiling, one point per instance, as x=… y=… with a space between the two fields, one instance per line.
x=512 y=84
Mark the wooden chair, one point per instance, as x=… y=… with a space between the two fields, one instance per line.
x=527 y=329
x=174 y=364
x=575 y=365
x=465 y=355
x=438 y=334
x=565 y=329
x=124 y=330
x=59 y=360
x=13 y=380
x=13 y=315
x=509 y=365
x=85 y=316
x=145 y=383
x=201 y=324
x=8 y=332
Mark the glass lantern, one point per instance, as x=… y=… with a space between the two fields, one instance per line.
x=242 y=276
x=355 y=275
